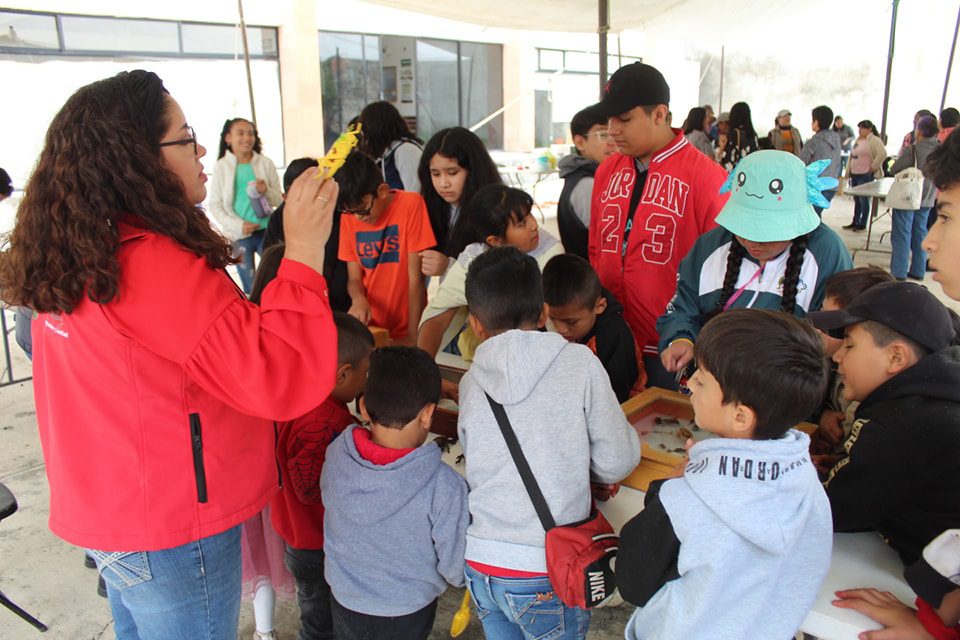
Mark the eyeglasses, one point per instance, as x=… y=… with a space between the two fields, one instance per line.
x=601 y=135
x=358 y=212
x=191 y=140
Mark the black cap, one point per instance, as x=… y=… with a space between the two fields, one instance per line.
x=907 y=308
x=633 y=85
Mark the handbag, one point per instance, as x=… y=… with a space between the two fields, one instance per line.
x=906 y=192
x=580 y=555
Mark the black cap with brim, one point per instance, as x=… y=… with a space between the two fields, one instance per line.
x=905 y=307
x=633 y=85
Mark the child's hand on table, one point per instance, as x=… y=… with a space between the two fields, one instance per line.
x=825 y=461
x=831 y=426
x=450 y=390
x=360 y=309
x=899 y=621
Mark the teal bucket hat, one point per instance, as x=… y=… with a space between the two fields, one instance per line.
x=772 y=194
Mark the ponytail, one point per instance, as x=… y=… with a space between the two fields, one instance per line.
x=791 y=275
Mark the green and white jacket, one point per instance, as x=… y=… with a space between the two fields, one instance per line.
x=701 y=274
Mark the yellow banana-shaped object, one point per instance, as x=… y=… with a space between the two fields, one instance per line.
x=462 y=617
x=331 y=163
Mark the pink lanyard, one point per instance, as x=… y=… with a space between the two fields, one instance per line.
x=740 y=291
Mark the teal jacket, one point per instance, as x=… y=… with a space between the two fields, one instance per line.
x=701 y=274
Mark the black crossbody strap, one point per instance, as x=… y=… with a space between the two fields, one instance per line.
x=533 y=489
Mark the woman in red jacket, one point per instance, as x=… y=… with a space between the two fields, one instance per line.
x=156 y=381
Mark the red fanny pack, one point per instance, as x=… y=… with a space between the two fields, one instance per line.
x=580 y=555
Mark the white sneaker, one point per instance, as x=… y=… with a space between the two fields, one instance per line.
x=269 y=635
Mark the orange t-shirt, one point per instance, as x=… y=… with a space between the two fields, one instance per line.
x=383 y=251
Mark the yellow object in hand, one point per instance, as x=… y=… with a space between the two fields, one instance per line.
x=331 y=163
x=462 y=617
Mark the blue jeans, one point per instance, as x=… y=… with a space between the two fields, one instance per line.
x=190 y=592
x=829 y=196
x=252 y=244
x=523 y=609
x=909 y=230
x=861 y=204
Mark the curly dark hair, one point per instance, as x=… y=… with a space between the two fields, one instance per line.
x=943 y=163
x=227 y=125
x=100 y=162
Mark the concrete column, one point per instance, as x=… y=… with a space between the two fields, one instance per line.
x=519 y=68
x=300 y=79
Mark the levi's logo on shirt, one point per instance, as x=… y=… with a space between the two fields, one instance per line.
x=378 y=247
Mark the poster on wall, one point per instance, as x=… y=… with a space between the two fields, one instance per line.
x=406 y=80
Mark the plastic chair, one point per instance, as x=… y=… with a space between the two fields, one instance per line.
x=8 y=506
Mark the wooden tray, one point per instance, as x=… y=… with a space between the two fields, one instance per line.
x=445 y=417
x=656 y=463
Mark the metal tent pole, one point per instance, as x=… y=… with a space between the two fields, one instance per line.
x=886 y=87
x=720 y=102
x=246 y=61
x=602 y=30
x=953 y=48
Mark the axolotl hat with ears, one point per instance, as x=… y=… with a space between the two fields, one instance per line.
x=772 y=194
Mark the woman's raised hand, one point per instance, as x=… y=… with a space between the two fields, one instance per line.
x=308 y=218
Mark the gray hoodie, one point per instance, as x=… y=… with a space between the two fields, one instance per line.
x=393 y=534
x=583 y=192
x=755 y=536
x=824 y=145
x=569 y=425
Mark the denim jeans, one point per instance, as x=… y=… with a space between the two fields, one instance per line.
x=909 y=230
x=313 y=593
x=523 y=609
x=351 y=625
x=829 y=196
x=190 y=592
x=249 y=246
x=861 y=204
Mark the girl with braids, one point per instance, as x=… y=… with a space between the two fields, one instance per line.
x=770 y=251
x=157 y=382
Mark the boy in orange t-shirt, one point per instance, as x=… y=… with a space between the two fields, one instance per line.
x=380 y=237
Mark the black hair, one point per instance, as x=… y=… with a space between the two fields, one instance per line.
x=358 y=177
x=401 y=382
x=354 y=340
x=266 y=270
x=791 y=274
x=382 y=125
x=740 y=118
x=823 y=116
x=694 y=121
x=928 y=127
x=785 y=386
x=837 y=117
x=943 y=163
x=567 y=278
x=490 y=212
x=883 y=336
x=6 y=183
x=467 y=149
x=949 y=117
x=257 y=144
x=504 y=289
x=295 y=168
x=922 y=113
x=585 y=120
x=868 y=124
x=845 y=286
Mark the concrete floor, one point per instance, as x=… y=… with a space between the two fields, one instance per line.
x=46 y=576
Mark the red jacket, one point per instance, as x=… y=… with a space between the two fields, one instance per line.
x=297 y=511
x=156 y=410
x=680 y=200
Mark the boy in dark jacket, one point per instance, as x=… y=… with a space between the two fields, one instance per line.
x=396 y=515
x=297 y=511
x=900 y=474
x=584 y=312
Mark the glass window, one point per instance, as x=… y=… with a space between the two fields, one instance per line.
x=224 y=39
x=343 y=78
x=436 y=87
x=550 y=60
x=582 y=61
x=481 y=91
x=371 y=55
x=28 y=31
x=108 y=34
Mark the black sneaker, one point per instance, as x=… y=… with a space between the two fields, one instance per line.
x=101 y=587
x=850 y=227
x=89 y=562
